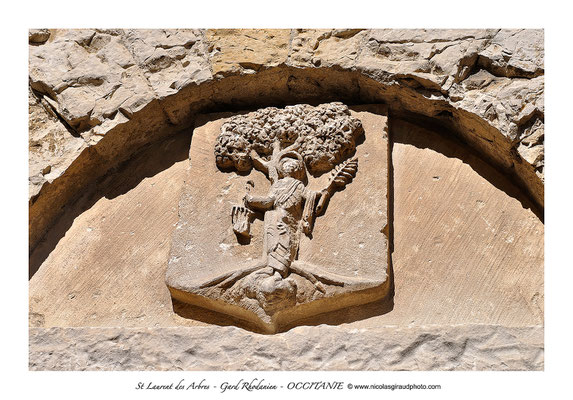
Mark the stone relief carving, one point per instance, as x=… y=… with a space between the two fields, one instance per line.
x=290 y=147
x=324 y=136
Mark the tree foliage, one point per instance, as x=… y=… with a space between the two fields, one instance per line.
x=324 y=135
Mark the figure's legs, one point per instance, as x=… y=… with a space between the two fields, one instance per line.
x=277 y=244
x=279 y=263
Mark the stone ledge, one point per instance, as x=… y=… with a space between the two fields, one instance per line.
x=438 y=347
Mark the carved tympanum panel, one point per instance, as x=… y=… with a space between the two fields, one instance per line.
x=284 y=214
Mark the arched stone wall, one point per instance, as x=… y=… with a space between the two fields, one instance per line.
x=115 y=91
x=111 y=112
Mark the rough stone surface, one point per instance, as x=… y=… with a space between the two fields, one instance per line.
x=52 y=149
x=464 y=236
x=457 y=347
x=246 y=51
x=92 y=75
x=467 y=235
x=132 y=87
x=38 y=36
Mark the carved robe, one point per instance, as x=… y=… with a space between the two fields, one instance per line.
x=283 y=222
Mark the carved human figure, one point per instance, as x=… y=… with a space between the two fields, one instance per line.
x=286 y=145
x=248 y=266
x=289 y=208
x=284 y=208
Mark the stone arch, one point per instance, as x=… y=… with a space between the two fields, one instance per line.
x=406 y=97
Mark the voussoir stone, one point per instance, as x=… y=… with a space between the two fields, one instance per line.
x=246 y=51
x=38 y=36
x=326 y=47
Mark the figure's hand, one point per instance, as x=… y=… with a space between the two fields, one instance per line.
x=250 y=184
x=324 y=195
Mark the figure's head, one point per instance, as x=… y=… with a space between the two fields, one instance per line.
x=291 y=164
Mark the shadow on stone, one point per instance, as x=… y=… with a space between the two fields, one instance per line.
x=440 y=140
x=343 y=316
x=150 y=161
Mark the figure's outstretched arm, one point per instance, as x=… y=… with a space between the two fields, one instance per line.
x=259 y=203
x=342 y=175
x=308 y=213
x=266 y=167
x=322 y=197
x=259 y=163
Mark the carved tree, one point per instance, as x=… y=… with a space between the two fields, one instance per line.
x=285 y=144
x=324 y=136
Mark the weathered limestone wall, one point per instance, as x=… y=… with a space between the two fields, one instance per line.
x=341 y=348
x=111 y=115
x=466 y=245
x=100 y=95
